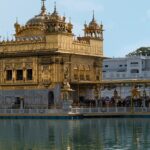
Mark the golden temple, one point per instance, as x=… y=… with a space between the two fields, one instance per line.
x=45 y=56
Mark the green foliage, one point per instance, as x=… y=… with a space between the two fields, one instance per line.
x=143 y=51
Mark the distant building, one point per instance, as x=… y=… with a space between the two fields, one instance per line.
x=127 y=68
x=133 y=67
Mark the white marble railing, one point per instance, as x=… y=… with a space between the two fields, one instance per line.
x=76 y=110
x=34 y=111
x=110 y=110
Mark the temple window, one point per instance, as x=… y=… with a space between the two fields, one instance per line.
x=82 y=72
x=87 y=77
x=81 y=76
x=97 y=77
x=9 y=75
x=76 y=72
x=88 y=72
x=29 y=74
x=75 y=76
x=19 y=75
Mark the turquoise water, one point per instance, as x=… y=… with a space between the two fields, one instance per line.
x=86 y=134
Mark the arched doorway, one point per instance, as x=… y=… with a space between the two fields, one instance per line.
x=50 y=98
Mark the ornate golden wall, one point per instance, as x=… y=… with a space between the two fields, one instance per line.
x=45 y=53
x=48 y=58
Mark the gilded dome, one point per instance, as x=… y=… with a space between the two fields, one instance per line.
x=43 y=17
x=37 y=20
x=93 y=29
x=93 y=24
x=44 y=23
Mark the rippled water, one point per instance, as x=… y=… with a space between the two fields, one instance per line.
x=86 y=134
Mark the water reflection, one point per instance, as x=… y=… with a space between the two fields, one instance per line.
x=87 y=134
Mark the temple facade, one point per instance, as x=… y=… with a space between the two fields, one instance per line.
x=45 y=57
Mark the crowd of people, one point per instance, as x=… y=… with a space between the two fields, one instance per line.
x=116 y=102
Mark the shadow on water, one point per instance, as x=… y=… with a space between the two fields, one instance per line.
x=86 y=134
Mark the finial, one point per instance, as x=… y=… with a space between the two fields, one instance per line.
x=64 y=14
x=43 y=8
x=93 y=16
x=7 y=39
x=55 y=8
x=16 y=23
x=101 y=25
x=16 y=20
x=64 y=17
x=85 y=25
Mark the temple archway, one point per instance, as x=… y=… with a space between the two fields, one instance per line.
x=50 y=98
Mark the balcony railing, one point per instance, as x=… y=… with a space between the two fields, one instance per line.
x=110 y=110
x=98 y=110
x=34 y=111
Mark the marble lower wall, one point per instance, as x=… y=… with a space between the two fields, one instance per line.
x=31 y=98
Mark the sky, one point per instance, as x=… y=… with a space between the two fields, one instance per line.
x=126 y=22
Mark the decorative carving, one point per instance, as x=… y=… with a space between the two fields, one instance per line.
x=66 y=73
x=8 y=66
x=46 y=82
x=45 y=74
x=45 y=68
x=96 y=92
x=46 y=60
x=29 y=65
x=18 y=66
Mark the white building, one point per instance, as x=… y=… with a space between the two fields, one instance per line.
x=133 y=67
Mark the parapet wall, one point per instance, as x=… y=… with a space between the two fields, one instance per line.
x=62 y=43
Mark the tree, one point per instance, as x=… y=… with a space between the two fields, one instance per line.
x=142 y=51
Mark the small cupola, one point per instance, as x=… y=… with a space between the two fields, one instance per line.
x=93 y=29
